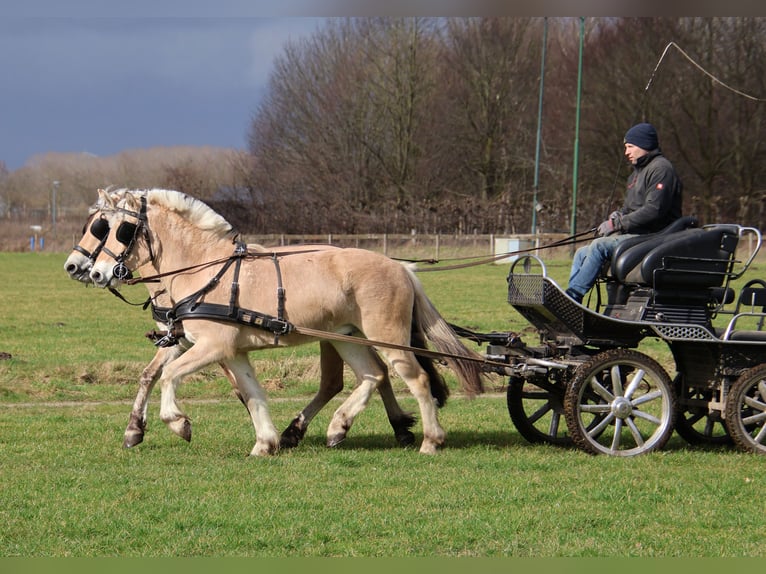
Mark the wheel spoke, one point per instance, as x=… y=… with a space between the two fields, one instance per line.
x=616 y=380
x=600 y=390
x=695 y=418
x=754 y=419
x=553 y=429
x=617 y=434
x=599 y=428
x=760 y=436
x=540 y=413
x=754 y=403
x=596 y=409
x=635 y=432
x=535 y=395
x=647 y=417
x=635 y=381
x=647 y=398
x=762 y=390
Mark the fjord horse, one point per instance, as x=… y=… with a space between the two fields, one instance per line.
x=78 y=266
x=341 y=292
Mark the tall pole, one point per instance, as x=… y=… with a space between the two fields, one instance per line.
x=573 y=228
x=536 y=186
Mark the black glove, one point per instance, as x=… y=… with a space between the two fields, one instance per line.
x=611 y=225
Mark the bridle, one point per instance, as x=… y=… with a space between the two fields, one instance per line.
x=98 y=229
x=128 y=234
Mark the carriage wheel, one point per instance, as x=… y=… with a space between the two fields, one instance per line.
x=695 y=423
x=746 y=410
x=628 y=396
x=537 y=411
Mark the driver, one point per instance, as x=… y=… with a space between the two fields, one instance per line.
x=652 y=202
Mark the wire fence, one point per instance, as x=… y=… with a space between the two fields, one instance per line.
x=24 y=236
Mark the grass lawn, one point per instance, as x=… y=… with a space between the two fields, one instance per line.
x=69 y=489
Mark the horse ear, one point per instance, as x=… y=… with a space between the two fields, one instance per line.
x=132 y=202
x=104 y=199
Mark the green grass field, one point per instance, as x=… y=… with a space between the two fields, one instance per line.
x=70 y=489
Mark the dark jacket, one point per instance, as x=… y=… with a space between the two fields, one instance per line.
x=653 y=199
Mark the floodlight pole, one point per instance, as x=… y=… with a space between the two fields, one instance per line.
x=536 y=185
x=573 y=229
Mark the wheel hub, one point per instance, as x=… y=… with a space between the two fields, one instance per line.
x=622 y=408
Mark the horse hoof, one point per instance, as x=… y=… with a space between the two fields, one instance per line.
x=132 y=440
x=429 y=448
x=263 y=450
x=181 y=427
x=287 y=442
x=405 y=438
x=335 y=440
x=292 y=436
x=186 y=432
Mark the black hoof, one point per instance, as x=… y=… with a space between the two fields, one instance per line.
x=290 y=439
x=405 y=438
x=293 y=434
x=186 y=433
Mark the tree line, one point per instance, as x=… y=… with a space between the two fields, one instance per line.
x=389 y=125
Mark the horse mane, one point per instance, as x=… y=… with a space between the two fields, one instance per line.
x=191 y=209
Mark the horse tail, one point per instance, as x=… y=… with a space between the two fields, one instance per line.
x=439 y=388
x=430 y=325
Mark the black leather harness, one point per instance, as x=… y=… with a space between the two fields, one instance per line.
x=192 y=308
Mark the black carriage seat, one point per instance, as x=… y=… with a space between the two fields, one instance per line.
x=690 y=264
x=622 y=262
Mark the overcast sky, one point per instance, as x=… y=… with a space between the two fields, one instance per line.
x=103 y=76
x=106 y=84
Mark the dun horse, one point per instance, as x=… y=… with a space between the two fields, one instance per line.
x=78 y=266
x=233 y=301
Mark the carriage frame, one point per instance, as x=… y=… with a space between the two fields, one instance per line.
x=585 y=383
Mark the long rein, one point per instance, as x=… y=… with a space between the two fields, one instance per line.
x=279 y=326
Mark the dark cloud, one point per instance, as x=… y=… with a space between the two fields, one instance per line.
x=101 y=85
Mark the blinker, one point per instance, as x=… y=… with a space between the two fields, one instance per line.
x=100 y=228
x=126 y=233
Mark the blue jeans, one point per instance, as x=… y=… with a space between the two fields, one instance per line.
x=589 y=260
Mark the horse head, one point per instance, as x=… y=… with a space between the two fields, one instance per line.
x=127 y=244
x=94 y=234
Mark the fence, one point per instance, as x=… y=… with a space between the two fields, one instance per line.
x=20 y=236
x=427 y=246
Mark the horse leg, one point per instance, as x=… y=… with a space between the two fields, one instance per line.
x=409 y=369
x=134 y=433
x=331 y=383
x=369 y=377
x=173 y=372
x=400 y=420
x=254 y=398
x=233 y=383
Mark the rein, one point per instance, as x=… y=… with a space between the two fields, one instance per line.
x=246 y=255
x=571 y=240
x=191 y=307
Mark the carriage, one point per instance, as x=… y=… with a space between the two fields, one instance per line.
x=590 y=379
